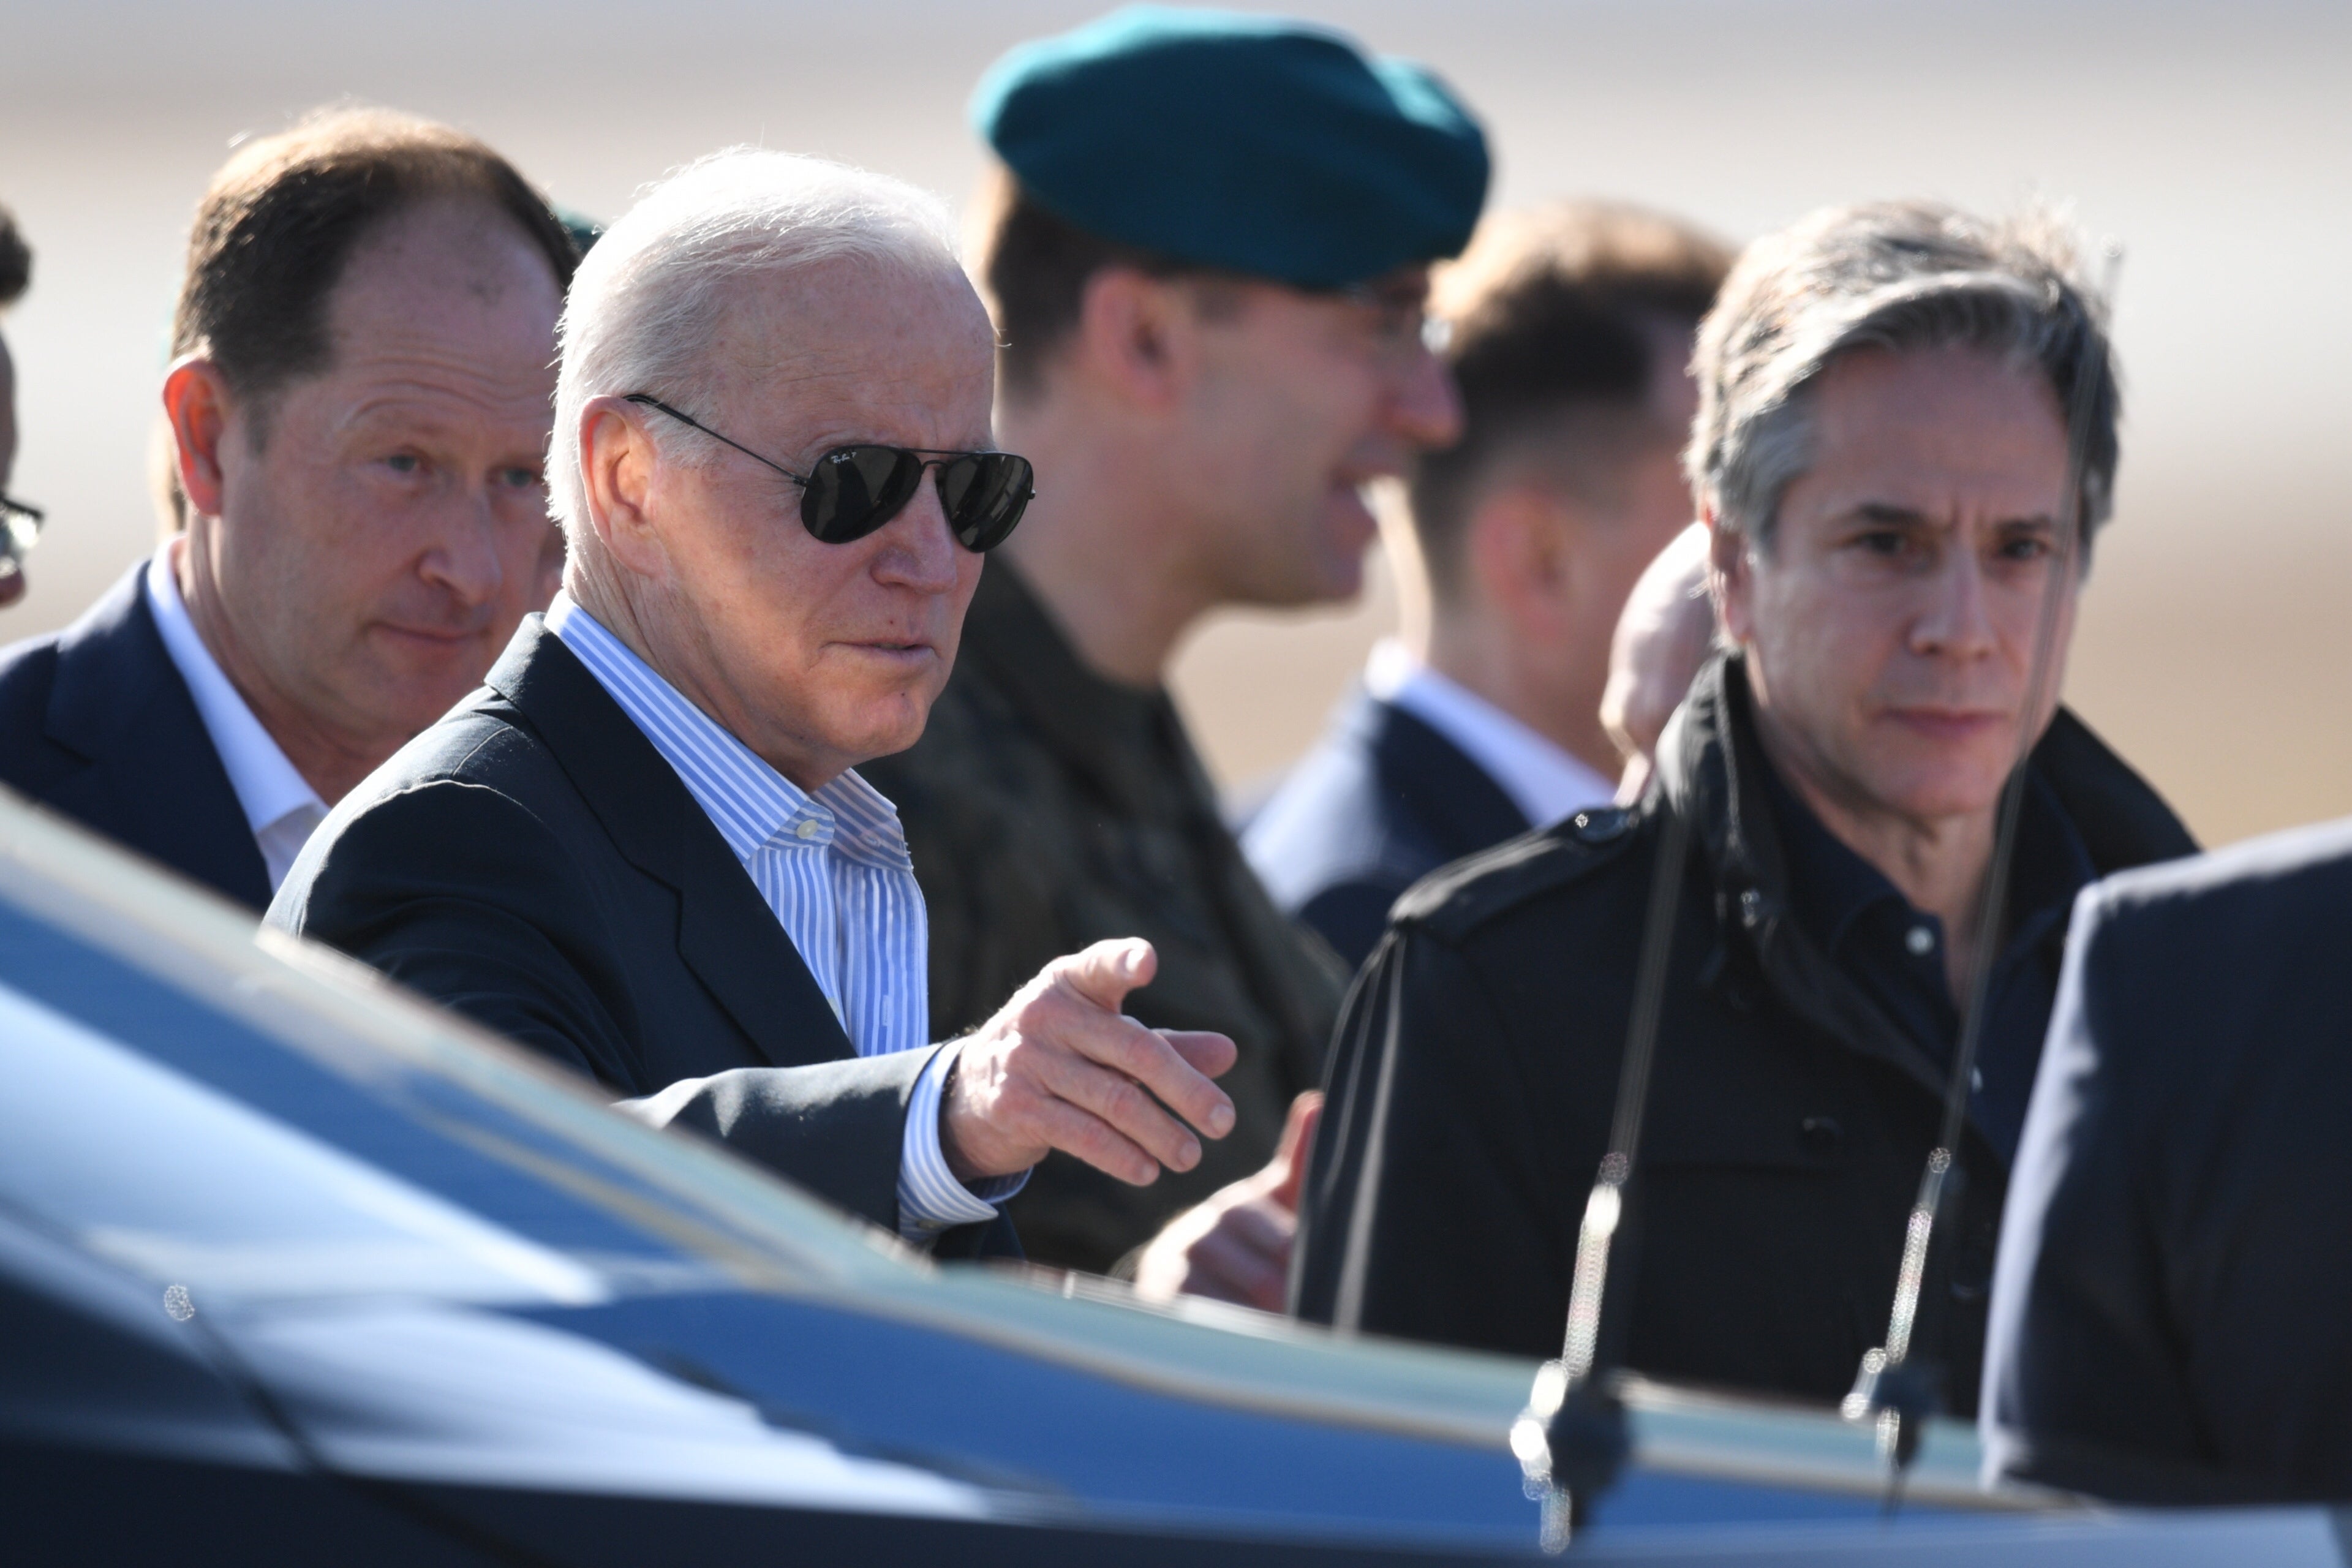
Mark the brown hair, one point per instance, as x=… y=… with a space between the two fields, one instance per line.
x=16 y=260
x=283 y=216
x=1557 y=313
x=1034 y=267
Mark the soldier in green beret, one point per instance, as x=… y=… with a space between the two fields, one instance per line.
x=1207 y=250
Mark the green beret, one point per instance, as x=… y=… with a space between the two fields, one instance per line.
x=1250 y=144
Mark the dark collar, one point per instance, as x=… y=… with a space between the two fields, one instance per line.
x=1450 y=796
x=1711 y=769
x=1710 y=766
x=1114 y=735
x=1832 y=888
x=726 y=933
x=112 y=666
x=156 y=780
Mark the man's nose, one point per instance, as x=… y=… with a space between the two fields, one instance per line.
x=462 y=559
x=1424 y=406
x=918 y=551
x=1957 y=621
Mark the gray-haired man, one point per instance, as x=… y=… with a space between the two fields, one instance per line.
x=1881 y=452
x=641 y=848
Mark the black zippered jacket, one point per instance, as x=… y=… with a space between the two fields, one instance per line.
x=1475 y=1073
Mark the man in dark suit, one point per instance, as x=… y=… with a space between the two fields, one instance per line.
x=1569 y=332
x=359 y=400
x=643 y=848
x=2172 y=1310
x=1883 y=455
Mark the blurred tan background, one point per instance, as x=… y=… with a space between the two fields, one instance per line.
x=2213 y=143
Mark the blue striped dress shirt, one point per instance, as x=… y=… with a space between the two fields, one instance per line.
x=833 y=865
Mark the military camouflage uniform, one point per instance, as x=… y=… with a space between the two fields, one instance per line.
x=1047 y=809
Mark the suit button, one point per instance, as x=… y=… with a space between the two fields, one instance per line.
x=1821 y=1134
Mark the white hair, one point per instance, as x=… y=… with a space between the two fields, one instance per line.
x=651 y=293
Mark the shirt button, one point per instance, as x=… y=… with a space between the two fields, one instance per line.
x=1920 y=941
x=806 y=828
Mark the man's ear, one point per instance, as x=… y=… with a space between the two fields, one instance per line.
x=1521 y=556
x=1138 y=336
x=618 y=464
x=1730 y=576
x=199 y=408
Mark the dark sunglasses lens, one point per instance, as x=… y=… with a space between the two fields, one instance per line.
x=984 y=495
x=856 y=490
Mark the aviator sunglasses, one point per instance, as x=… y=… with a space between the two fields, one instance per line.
x=854 y=490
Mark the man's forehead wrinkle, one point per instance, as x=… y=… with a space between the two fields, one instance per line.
x=437 y=395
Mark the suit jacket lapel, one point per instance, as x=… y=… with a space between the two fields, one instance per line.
x=1462 y=809
x=727 y=934
x=155 y=780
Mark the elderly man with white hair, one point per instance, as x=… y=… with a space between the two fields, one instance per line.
x=641 y=848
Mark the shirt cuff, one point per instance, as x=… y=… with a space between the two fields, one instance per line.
x=930 y=1199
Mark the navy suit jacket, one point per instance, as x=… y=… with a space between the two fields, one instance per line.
x=95 y=723
x=1380 y=803
x=532 y=862
x=2172 y=1309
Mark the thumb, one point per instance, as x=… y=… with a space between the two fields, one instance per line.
x=1290 y=1156
x=1105 y=972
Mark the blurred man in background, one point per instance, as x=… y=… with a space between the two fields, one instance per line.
x=18 y=523
x=1207 y=256
x=1570 y=337
x=1882 y=452
x=359 y=405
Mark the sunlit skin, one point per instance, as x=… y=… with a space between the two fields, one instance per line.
x=1890 y=624
x=821 y=656
x=1209 y=443
x=364 y=539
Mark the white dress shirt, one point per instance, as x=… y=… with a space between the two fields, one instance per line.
x=833 y=865
x=279 y=804
x=1543 y=780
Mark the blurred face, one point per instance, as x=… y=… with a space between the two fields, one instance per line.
x=1890 y=624
x=1303 y=400
x=818 y=657
x=375 y=550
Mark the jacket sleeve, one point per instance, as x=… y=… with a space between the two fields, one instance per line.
x=461 y=893
x=1424 y=1214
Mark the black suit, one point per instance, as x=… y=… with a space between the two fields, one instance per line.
x=1383 y=801
x=95 y=723
x=533 y=862
x=2172 y=1315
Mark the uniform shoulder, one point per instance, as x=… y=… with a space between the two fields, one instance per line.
x=1456 y=899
